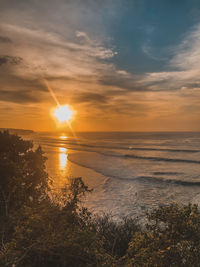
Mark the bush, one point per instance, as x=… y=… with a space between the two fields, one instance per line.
x=115 y=236
x=172 y=238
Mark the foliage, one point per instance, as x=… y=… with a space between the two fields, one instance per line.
x=172 y=238
x=116 y=236
x=23 y=180
x=23 y=176
x=35 y=231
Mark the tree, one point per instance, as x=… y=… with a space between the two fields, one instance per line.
x=23 y=180
x=23 y=177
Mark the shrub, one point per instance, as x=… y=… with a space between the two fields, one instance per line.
x=172 y=238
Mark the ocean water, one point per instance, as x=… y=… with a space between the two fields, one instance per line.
x=129 y=173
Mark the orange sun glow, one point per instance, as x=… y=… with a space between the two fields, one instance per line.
x=63 y=113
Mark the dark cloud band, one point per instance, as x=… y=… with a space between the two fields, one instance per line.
x=5 y=59
x=4 y=39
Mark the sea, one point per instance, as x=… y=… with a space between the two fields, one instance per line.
x=130 y=172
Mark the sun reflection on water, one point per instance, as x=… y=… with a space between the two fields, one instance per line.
x=63 y=137
x=62 y=158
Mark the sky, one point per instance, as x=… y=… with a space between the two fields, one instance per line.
x=122 y=65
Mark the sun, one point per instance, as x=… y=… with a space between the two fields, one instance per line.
x=63 y=113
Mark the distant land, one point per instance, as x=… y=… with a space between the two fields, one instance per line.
x=17 y=131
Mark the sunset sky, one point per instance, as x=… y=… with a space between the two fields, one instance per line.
x=123 y=65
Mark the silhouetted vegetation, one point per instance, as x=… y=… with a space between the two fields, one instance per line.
x=35 y=231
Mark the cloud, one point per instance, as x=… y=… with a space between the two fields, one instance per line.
x=147 y=49
x=92 y=98
x=115 y=79
x=18 y=96
x=50 y=51
x=36 y=55
x=80 y=65
x=10 y=60
x=4 y=39
x=183 y=67
x=187 y=53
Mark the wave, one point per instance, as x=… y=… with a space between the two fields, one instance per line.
x=142 y=179
x=131 y=156
x=165 y=149
x=167 y=173
x=166 y=181
x=164 y=159
x=159 y=180
x=66 y=142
